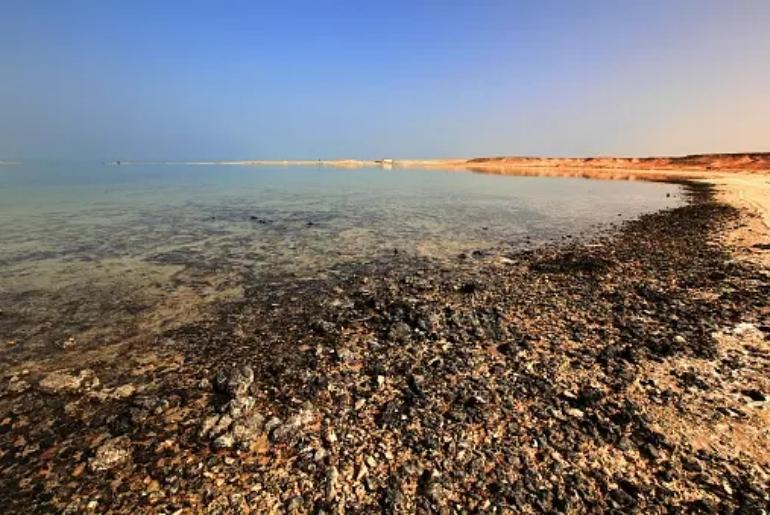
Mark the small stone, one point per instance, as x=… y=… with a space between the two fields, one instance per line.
x=754 y=394
x=363 y=471
x=222 y=425
x=293 y=424
x=123 y=391
x=204 y=384
x=225 y=441
x=294 y=505
x=238 y=407
x=430 y=486
x=346 y=355
x=208 y=424
x=651 y=451
x=17 y=385
x=330 y=436
x=573 y=412
x=68 y=343
x=332 y=476
x=746 y=329
x=65 y=381
x=272 y=424
x=112 y=453
x=247 y=430
x=691 y=464
x=400 y=332
x=234 y=382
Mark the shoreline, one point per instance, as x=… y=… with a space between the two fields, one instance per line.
x=703 y=163
x=594 y=372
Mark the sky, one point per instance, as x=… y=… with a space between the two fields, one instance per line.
x=311 y=79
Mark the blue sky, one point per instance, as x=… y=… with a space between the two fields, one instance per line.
x=229 y=80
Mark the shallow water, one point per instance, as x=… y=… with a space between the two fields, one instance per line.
x=70 y=229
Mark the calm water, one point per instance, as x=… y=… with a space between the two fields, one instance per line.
x=69 y=229
x=292 y=217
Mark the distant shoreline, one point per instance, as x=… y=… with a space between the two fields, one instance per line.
x=749 y=161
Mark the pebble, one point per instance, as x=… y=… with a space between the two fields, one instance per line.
x=332 y=482
x=114 y=452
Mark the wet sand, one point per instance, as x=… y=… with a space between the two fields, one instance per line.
x=627 y=373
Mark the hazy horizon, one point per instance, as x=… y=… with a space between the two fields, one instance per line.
x=91 y=80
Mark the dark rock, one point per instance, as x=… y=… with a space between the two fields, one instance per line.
x=754 y=394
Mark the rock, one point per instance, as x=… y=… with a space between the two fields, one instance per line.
x=754 y=394
x=68 y=343
x=241 y=406
x=17 y=385
x=322 y=327
x=239 y=423
x=248 y=429
x=222 y=425
x=320 y=454
x=204 y=384
x=573 y=412
x=346 y=355
x=272 y=424
x=400 y=332
x=330 y=436
x=112 y=453
x=293 y=424
x=234 y=382
x=224 y=441
x=208 y=424
x=294 y=505
x=65 y=381
x=430 y=486
x=691 y=464
x=746 y=329
x=332 y=476
x=123 y=391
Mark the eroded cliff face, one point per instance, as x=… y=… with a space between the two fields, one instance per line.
x=756 y=161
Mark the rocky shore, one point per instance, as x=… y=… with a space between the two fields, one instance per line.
x=626 y=374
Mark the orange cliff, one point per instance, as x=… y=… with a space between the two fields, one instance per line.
x=746 y=162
